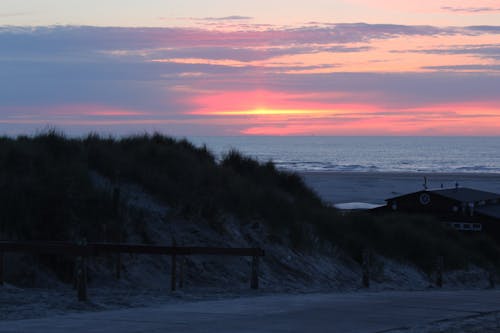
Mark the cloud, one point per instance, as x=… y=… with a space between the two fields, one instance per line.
x=111 y=72
x=227 y=18
x=111 y=38
x=221 y=19
x=485 y=51
x=346 y=49
x=471 y=67
x=138 y=44
x=390 y=90
x=14 y=14
x=471 y=10
x=484 y=29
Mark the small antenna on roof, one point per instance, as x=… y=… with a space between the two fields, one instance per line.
x=425 y=183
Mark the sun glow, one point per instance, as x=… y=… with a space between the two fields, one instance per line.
x=273 y=112
x=264 y=112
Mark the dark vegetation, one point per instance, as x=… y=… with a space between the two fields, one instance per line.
x=47 y=194
x=416 y=239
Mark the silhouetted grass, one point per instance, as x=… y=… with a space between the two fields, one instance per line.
x=413 y=238
x=47 y=194
x=45 y=190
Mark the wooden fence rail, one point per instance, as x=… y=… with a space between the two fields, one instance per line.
x=95 y=249
x=83 y=250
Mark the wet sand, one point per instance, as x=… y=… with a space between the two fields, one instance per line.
x=375 y=187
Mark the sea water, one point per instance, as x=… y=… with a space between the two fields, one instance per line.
x=366 y=154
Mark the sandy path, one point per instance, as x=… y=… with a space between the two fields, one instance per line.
x=348 y=312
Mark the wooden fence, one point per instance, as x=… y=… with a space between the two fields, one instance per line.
x=83 y=250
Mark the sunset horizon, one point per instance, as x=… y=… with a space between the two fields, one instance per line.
x=346 y=67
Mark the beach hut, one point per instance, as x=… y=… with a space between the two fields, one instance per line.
x=460 y=208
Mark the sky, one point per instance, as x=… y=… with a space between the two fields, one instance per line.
x=275 y=67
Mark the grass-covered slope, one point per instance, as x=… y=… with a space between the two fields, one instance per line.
x=46 y=193
x=45 y=190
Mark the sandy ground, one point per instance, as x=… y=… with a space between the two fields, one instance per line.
x=375 y=187
x=363 y=312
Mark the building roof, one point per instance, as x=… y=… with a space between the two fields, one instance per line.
x=492 y=211
x=464 y=194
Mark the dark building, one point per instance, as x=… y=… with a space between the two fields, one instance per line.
x=460 y=208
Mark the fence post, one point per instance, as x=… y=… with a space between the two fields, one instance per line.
x=439 y=271
x=181 y=272
x=118 y=264
x=173 y=266
x=1 y=269
x=254 y=283
x=173 y=272
x=116 y=210
x=81 y=280
x=81 y=277
x=366 y=268
x=75 y=273
x=491 y=278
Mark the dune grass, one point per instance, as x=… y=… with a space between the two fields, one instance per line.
x=47 y=194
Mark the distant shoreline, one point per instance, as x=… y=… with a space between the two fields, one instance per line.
x=375 y=187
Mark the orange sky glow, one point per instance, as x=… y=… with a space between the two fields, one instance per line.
x=285 y=113
x=276 y=113
x=279 y=68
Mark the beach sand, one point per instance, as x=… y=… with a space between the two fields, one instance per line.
x=375 y=187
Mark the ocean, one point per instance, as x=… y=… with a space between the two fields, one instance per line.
x=366 y=154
